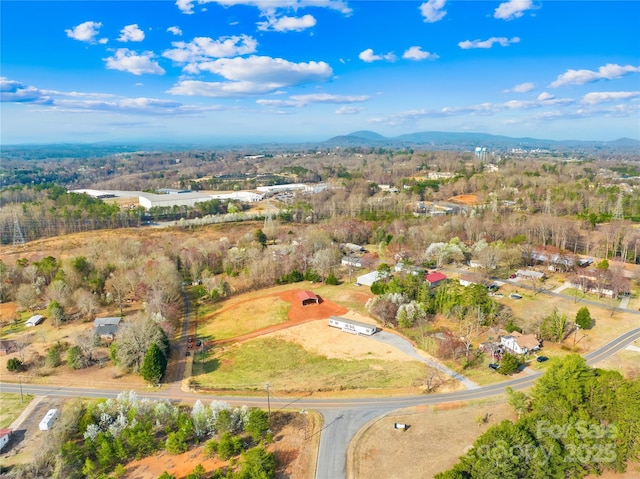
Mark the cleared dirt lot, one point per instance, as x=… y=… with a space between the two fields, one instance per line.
x=436 y=438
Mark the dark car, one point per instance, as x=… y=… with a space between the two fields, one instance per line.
x=188 y=353
x=494 y=366
x=198 y=343
x=494 y=287
x=542 y=359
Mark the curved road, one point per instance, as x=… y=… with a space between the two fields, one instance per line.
x=342 y=417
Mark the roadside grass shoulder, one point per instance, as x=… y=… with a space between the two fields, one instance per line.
x=289 y=367
x=12 y=406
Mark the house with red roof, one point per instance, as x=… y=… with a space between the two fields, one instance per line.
x=435 y=278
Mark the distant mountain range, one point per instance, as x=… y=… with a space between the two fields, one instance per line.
x=468 y=141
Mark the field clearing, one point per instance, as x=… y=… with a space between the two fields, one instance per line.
x=12 y=406
x=244 y=317
x=289 y=367
x=438 y=436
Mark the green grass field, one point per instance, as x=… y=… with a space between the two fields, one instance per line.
x=244 y=318
x=289 y=367
x=12 y=407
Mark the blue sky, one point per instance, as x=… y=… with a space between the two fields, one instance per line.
x=224 y=71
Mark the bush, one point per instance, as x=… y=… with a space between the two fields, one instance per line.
x=75 y=358
x=332 y=280
x=229 y=446
x=257 y=424
x=210 y=448
x=176 y=443
x=53 y=358
x=509 y=364
x=14 y=364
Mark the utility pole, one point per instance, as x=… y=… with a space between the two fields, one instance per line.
x=266 y=386
x=21 y=397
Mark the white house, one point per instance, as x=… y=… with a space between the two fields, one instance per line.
x=351 y=326
x=48 y=419
x=520 y=343
x=529 y=274
x=34 y=320
x=353 y=261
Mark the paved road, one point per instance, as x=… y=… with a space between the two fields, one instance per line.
x=342 y=417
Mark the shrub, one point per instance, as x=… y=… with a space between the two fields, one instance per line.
x=332 y=280
x=14 y=364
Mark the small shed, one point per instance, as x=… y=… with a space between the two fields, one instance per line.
x=48 y=419
x=106 y=327
x=5 y=435
x=351 y=326
x=34 y=320
x=307 y=297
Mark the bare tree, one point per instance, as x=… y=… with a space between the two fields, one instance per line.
x=58 y=291
x=27 y=296
x=86 y=303
x=433 y=379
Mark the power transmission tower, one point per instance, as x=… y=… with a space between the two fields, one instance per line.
x=617 y=212
x=18 y=238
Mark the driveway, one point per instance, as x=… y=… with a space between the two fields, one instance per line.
x=406 y=347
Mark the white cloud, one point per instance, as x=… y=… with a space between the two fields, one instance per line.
x=16 y=92
x=175 y=30
x=545 y=96
x=268 y=70
x=12 y=91
x=368 y=56
x=304 y=100
x=287 y=24
x=521 y=88
x=131 y=33
x=85 y=32
x=433 y=10
x=204 y=48
x=512 y=9
x=252 y=75
x=416 y=53
x=503 y=41
x=604 y=96
x=129 y=61
x=349 y=110
x=609 y=71
x=186 y=6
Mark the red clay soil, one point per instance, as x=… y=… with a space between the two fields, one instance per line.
x=298 y=314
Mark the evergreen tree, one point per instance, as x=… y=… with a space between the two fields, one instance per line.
x=154 y=365
x=583 y=318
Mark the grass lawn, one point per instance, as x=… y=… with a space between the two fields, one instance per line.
x=287 y=366
x=243 y=317
x=12 y=407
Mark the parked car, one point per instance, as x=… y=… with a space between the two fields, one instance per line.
x=515 y=296
x=198 y=343
x=512 y=276
x=494 y=366
x=494 y=287
x=542 y=359
x=188 y=353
